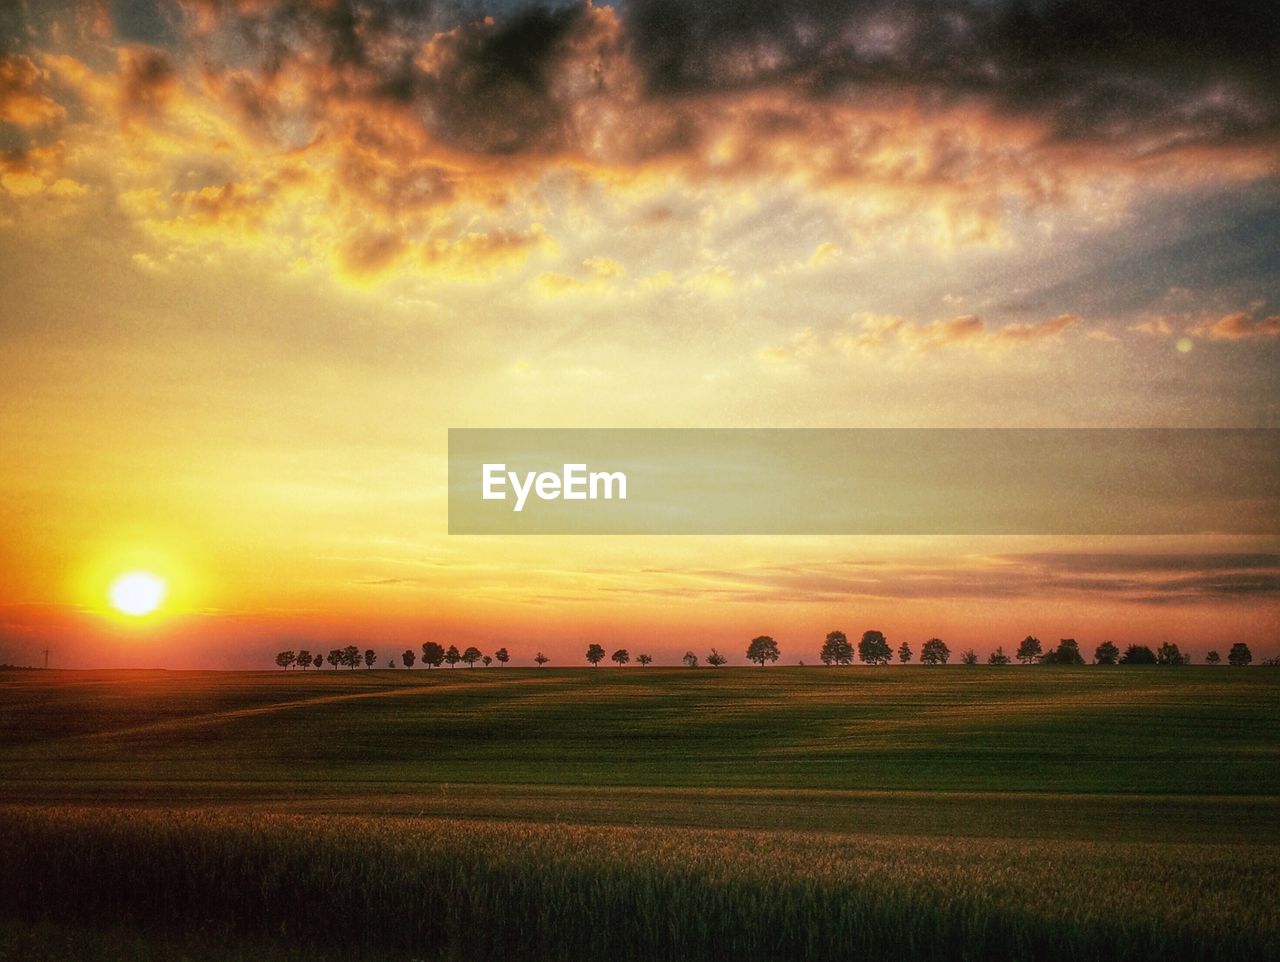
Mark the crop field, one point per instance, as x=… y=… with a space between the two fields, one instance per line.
x=780 y=813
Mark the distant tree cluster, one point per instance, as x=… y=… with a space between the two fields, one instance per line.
x=350 y=657
x=433 y=656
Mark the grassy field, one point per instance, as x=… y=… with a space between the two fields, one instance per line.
x=780 y=813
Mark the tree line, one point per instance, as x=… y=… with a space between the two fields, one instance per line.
x=872 y=649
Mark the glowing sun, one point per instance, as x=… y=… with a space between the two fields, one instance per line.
x=137 y=593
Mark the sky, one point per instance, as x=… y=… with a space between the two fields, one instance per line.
x=258 y=256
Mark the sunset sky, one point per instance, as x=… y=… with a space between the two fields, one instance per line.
x=258 y=256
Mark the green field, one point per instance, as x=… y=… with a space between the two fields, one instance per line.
x=781 y=812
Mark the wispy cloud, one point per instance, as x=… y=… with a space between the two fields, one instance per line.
x=872 y=334
x=1137 y=578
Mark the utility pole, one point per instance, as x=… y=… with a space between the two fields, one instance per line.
x=46 y=659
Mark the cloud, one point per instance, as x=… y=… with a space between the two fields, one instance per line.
x=148 y=80
x=873 y=333
x=24 y=101
x=1022 y=333
x=1239 y=326
x=823 y=254
x=597 y=273
x=1092 y=70
x=1154 y=326
x=369 y=253
x=412 y=123
x=716 y=280
x=1143 y=579
x=38 y=173
x=477 y=253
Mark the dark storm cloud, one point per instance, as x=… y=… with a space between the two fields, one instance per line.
x=1197 y=71
x=493 y=91
x=1145 y=77
x=481 y=84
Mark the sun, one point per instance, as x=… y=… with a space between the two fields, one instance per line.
x=137 y=593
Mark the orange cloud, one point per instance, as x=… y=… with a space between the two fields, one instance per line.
x=1020 y=333
x=1239 y=326
x=23 y=100
x=1155 y=326
x=875 y=333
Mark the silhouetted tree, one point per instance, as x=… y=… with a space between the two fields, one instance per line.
x=968 y=657
x=690 y=659
x=1212 y=658
x=1106 y=653
x=452 y=657
x=644 y=660
x=471 y=656
x=934 y=652
x=621 y=656
x=432 y=655
x=1029 y=650
x=502 y=656
x=304 y=659
x=351 y=656
x=836 y=650
x=370 y=656
x=334 y=658
x=1168 y=654
x=541 y=659
x=1239 y=655
x=874 y=649
x=715 y=659
x=1067 y=653
x=998 y=657
x=408 y=657
x=762 y=649
x=391 y=663
x=904 y=653
x=487 y=660
x=595 y=655
x=1138 y=655
x=286 y=659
